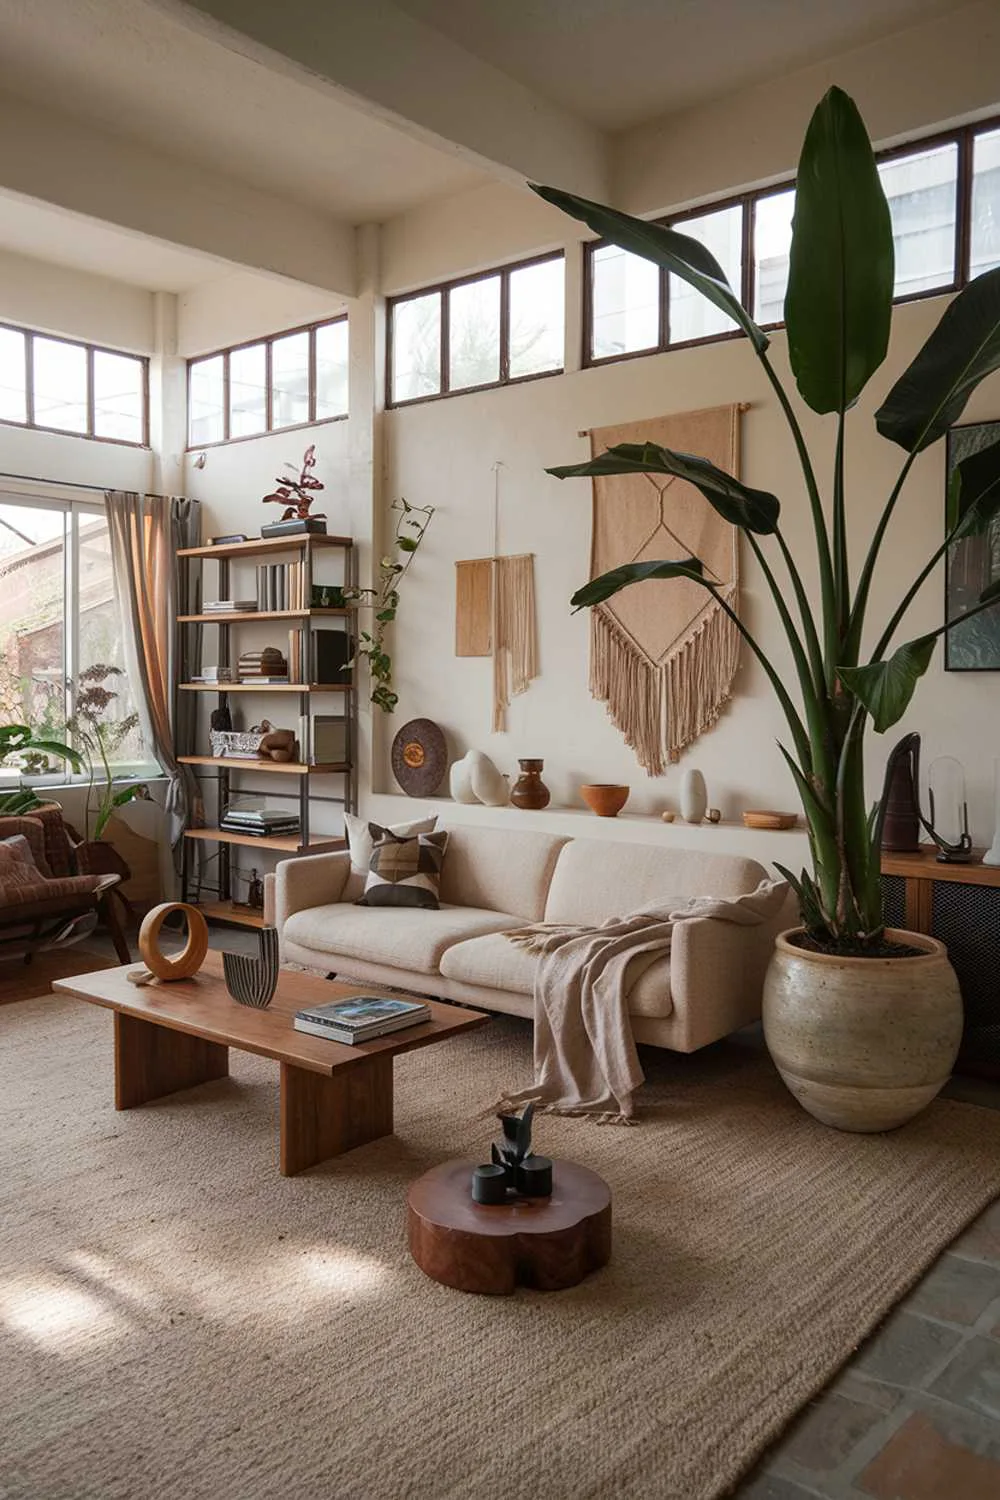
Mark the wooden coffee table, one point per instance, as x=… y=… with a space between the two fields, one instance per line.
x=546 y=1243
x=174 y=1036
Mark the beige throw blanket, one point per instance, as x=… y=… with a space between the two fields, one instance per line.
x=585 y=1054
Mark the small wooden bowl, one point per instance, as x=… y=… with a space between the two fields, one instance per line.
x=758 y=817
x=605 y=798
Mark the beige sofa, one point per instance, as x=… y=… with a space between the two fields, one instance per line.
x=496 y=879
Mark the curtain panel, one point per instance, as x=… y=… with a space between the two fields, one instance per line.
x=146 y=531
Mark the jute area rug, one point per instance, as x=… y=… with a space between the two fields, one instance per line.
x=178 y=1320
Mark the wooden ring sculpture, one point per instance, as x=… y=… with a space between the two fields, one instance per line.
x=187 y=962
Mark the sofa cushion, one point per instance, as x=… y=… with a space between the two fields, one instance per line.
x=499 y=869
x=406 y=937
x=594 y=880
x=497 y=964
x=405 y=871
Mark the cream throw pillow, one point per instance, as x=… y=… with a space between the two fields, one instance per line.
x=362 y=834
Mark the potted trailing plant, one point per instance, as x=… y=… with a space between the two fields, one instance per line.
x=19 y=739
x=412 y=522
x=99 y=734
x=863 y=1023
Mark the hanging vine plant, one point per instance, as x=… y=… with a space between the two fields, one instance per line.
x=412 y=522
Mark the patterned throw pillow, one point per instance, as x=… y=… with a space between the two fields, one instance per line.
x=362 y=836
x=21 y=884
x=405 y=871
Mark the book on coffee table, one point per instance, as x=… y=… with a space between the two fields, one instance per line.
x=361 y=1018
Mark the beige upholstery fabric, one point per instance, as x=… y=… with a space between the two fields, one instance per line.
x=492 y=962
x=310 y=880
x=410 y=938
x=594 y=880
x=499 y=869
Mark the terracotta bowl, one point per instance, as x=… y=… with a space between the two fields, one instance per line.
x=605 y=798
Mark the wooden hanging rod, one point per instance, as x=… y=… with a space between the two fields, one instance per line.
x=741 y=406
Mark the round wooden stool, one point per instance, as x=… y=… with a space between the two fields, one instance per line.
x=546 y=1243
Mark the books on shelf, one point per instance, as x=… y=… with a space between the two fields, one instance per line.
x=215 y=674
x=229 y=606
x=329 y=739
x=264 y=666
x=332 y=651
x=259 y=822
x=360 y=1019
x=260 y=815
x=281 y=586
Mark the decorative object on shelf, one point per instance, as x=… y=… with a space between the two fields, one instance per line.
x=900 y=800
x=714 y=815
x=529 y=790
x=667 y=816
x=838 y=315
x=605 y=798
x=513 y=1170
x=992 y=855
x=948 y=823
x=221 y=718
x=278 y=745
x=972 y=564
x=663 y=657
x=694 y=797
x=240 y=744
x=412 y=522
x=475 y=779
x=255 y=889
x=267 y=665
x=160 y=965
x=495 y=615
x=300 y=491
x=232 y=536
x=767 y=818
x=327 y=596
x=252 y=979
x=419 y=757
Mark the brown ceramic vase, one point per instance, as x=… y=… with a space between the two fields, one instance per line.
x=529 y=790
x=864 y=1044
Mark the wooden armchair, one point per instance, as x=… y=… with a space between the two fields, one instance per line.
x=51 y=902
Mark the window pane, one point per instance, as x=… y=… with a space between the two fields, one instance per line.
x=32 y=543
x=100 y=642
x=538 y=318
x=331 y=370
x=247 y=391
x=985 y=254
x=60 y=382
x=205 y=424
x=691 y=316
x=625 y=302
x=290 y=380
x=416 y=347
x=474 y=334
x=921 y=189
x=772 y=239
x=118 y=397
x=13 y=405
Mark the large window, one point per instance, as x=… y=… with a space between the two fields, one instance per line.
x=288 y=380
x=506 y=325
x=63 y=386
x=944 y=201
x=58 y=618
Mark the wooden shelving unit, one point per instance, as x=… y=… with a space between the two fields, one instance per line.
x=308 y=548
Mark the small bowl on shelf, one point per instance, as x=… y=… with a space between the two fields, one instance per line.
x=766 y=817
x=605 y=798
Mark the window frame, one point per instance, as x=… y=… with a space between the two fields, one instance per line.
x=74 y=509
x=444 y=290
x=90 y=436
x=267 y=340
x=963 y=137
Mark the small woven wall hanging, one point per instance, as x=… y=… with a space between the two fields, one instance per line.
x=663 y=654
x=495 y=615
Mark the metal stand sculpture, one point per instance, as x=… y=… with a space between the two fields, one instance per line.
x=514 y=1172
x=900 y=804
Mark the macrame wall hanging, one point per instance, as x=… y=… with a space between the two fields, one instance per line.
x=495 y=615
x=663 y=654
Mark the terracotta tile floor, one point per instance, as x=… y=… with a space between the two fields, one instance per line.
x=916 y=1413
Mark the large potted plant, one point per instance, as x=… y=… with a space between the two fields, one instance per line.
x=99 y=732
x=863 y=1022
x=23 y=741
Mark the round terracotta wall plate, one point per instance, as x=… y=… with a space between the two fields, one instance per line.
x=420 y=757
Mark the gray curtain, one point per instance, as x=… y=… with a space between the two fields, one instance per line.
x=146 y=531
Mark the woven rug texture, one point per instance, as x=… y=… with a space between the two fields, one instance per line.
x=178 y=1320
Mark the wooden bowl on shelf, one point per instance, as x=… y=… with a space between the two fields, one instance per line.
x=605 y=798
x=759 y=817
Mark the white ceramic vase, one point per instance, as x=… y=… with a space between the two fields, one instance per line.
x=694 y=797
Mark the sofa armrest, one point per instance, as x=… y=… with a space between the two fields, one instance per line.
x=311 y=880
x=717 y=975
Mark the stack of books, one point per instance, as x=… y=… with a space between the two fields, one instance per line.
x=360 y=1019
x=263 y=666
x=259 y=822
x=215 y=674
x=281 y=586
x=230 y=607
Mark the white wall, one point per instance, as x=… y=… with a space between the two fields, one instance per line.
x=242 y=306
x=75 y=304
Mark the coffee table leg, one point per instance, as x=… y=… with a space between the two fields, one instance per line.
x=152 y=1060
x=324 y=1116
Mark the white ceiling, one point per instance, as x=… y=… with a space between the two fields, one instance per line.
x=128 y=66
x=28 y=227
x=616 y=63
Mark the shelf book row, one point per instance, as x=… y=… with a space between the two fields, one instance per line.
x=281 y=586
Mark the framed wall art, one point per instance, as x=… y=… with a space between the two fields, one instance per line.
x=970 y=565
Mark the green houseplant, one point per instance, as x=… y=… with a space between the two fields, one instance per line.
x=19 y=739
x=412 y=522
x=838 y=311
x=99 y=735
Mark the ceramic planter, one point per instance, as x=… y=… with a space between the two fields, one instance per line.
x=864 y=1044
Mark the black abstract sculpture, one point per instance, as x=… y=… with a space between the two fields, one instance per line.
x=252 y=979
x=514 y=1171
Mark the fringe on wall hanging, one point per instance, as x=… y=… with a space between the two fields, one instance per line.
x=663 y=653
x=515 y=635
